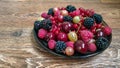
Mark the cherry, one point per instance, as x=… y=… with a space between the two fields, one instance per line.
x=75 y=26
x=66 y=26
x=54 y=28
x=81 y=47
x=100 y=33
x=98 y=25
x=62 y=37
x=60 y=18
x=49 y=36
x=56 y=32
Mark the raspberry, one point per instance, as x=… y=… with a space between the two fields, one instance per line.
x=107 y=30
x=92 y=47
x=86 y=35
x=70 y=44
x=42 y=33
x=45 y=15
x=51 y=44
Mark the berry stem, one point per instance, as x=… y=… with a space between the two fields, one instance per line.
x=78 y=27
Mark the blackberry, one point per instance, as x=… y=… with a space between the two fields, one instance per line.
x=50 y=12
x=47 y=24
x=38 y=25
x=70 y=8
x=88 y=23
x=98 y=18
x=67 y=18
x=60 y=46
x=101 y=43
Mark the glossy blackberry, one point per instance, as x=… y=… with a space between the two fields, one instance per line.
x=101 y=43
x=47 y=24
x=60 y=46
x=70 y=8
x=67 y=18
x=88 y=23
x=37 y=25
x=50 y=12
x=98 y=18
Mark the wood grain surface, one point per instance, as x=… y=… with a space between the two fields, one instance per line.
x=17 y=45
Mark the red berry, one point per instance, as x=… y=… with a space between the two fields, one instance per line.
x=86 y=35
x=49 y=36
x=71 y=14
x=92 y=47
x=51 y=44
x=75 y=26
x=107 y=30
x=59 y=25
x=70 y=44
x=62 y=8
x=45 y=15
x=83 y=27
x=42 y=33
x=100 y=33
x=54 y=28
x=98 y=25
x=81 y=10
x=52 y=18
x=56 y=32
x=66 y=26
x=80 y=47
x=77 y=12
x=91 y=12
x=87 y=12
x=57 y=13
x=93 y=29
x=62 y=37
x=60 y=18
x=82 y=20
x=53 y=22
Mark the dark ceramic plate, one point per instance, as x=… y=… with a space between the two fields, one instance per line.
x=43 y=44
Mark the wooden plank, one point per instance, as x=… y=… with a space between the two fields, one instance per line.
x=110 y=1
x=18 y=46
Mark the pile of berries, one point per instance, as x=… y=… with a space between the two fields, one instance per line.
x=69 y=30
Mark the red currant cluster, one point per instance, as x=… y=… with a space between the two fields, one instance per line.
x=68 y=30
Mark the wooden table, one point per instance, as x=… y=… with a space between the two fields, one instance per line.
x=17 y=45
